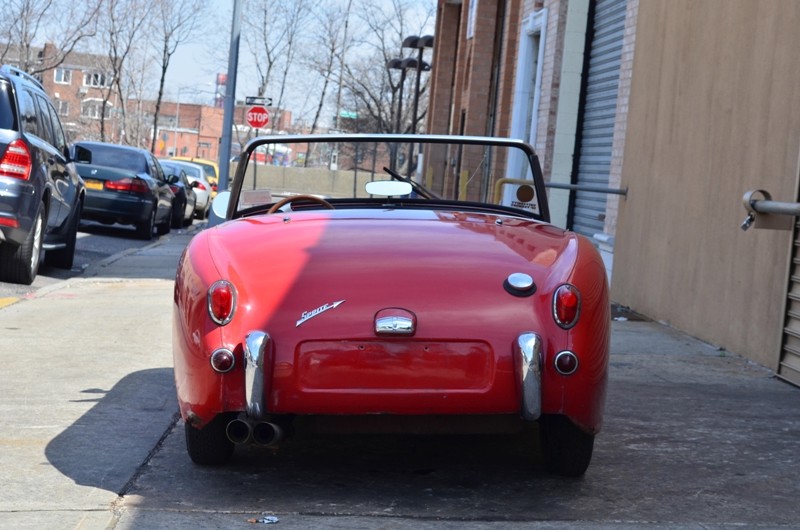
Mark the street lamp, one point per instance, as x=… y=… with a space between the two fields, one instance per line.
x=419 y=43
x=402 y=65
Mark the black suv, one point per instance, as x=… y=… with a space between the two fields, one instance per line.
x=41 y=194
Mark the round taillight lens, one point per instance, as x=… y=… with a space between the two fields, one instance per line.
x=566 y=363
x=222 y=360
x=566 y=306
x=221 y=302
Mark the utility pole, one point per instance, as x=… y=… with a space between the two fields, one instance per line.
x=230 y=97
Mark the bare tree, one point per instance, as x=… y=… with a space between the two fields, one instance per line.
x=122 y=22
x=63 y=23
x=274 y=32
x=177 y=20
x=371 y=88
x=325 y=60
x=137 y=83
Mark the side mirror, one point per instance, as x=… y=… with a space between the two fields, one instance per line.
x=219 y=208
x=173 y=179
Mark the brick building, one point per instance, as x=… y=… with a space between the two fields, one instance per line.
x=683 y=105
x=81 y=87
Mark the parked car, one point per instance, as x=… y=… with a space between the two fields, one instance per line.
x=125 y=185
x=210 y=168
x=185 y=201
x=197 y=180
x=359 y=300
x=41 y=194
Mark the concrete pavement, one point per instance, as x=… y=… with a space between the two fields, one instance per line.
x=104 y=337
x=693 y=436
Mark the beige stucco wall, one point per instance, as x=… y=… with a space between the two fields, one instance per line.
x=714 y=111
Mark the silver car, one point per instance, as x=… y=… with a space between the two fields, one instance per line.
x=201 y=186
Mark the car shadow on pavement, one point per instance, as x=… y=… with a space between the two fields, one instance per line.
x=105 y=447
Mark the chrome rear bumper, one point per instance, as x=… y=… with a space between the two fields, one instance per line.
x=256 y=348
x=529 y=370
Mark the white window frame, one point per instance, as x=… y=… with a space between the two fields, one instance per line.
x=525 y=112
x=96 y=79
x=62 y=107
x=62 y=76
x=93 y=103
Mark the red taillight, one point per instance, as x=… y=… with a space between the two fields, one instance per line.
x=16 y=161
x=174 y=188
x=566 y=306
x=130 y=185
x=221 y=302
x=5 y=221
x=199 y=185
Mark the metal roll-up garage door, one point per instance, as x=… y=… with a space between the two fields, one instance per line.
x=599 y=109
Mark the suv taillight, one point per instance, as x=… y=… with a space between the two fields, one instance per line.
x=16 y=161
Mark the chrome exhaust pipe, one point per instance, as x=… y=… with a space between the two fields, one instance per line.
x=239 y=431
x=266 y=433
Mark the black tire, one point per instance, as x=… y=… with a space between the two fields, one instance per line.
x=145 y=229
x=209 y=446
x=20 y=263
x=177 y=215
x=164 y=228
x=187 y=221
x=64 y=258
x=566 y=449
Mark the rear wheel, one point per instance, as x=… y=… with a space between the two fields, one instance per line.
x=567 y=450
x=63 y=258
x=164 y=227
x=177 y=214
x=20 y=263
x=145 y=229
x=209 y=446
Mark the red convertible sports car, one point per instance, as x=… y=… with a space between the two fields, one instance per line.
x=394 y=283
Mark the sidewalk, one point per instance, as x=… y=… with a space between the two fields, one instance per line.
x=87 y=387
x=156 y=260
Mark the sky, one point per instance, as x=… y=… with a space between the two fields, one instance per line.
x=195 y=65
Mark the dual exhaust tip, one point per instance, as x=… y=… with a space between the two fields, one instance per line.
x=262 y=433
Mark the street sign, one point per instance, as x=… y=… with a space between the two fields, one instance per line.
x=258 y=100
x=257 y=117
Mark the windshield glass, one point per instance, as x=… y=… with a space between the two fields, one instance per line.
x=118 y=157
x=439 y=168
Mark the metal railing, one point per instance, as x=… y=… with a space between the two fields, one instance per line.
x=498 y=187
x=587 y=187
x=766 y=213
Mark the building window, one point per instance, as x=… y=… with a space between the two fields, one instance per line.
x=63 y=76
x=473 y=8
x=90 y=108
x=96 y=79
x=62 y=107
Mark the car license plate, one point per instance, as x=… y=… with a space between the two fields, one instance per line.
x=94 y=184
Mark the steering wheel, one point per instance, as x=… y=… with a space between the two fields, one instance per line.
x=283 y=202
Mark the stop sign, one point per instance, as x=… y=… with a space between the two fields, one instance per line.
x=257 y=116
